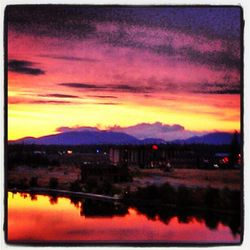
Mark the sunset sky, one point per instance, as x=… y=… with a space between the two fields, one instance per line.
x=173 y=70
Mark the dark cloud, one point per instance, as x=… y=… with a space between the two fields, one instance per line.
x=16 y=100
x=147 y=95
x=24 y=67
x=13 y=100
x=70 y=58
x=135 y=87
x=60 y=96
x=217 y=88
x=66 y=22
x=154 y=85
x=222 y=92
x=125 y=88
x=149 y=84
x=108 y=103
x=213 y=59
x=82 y=85
x=103 y=96
x=49 y=102
x=109 y=87
x=120 y=38
x=164 y=49
x=78 y=21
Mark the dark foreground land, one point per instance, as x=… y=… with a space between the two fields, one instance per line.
x=183 y=185
x=212 y=195
x=23 y=176
x=215 y=190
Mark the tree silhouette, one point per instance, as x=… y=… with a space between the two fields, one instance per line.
x=234 y=150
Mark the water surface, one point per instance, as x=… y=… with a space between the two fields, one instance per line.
x=41 y=218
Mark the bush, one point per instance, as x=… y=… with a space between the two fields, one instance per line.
x=212 y=198
x=53 y=182
x=184 y=197
x=22 y=183
x=55 y=163
x=33 y=182
x=75 y=186
x=148 y=193
x=167 y=194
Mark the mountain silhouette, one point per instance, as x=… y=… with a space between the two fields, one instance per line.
x=216 y=138
x=82 y=137
x=118 y=138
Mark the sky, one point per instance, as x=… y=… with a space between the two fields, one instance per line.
x=162 y=72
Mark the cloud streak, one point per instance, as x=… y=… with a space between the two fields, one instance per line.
x=70 y=58
x=60 y=96
x=108 y=103
x=16 y=100
x=217 y=88
x=49 y=102
x=109 y=87
x=154 y=85
x=82 y=85
x=103 y=96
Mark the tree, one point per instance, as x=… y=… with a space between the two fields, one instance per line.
x=234 y=149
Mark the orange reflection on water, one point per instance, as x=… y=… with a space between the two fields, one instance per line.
x=39 y=220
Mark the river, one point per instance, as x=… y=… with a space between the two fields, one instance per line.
x=47 y=219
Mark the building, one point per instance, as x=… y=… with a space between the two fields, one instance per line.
x=153 y=156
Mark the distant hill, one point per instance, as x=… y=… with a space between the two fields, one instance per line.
x=152 y=141
x=217 y=138
x=82 y=137
x=118 y=138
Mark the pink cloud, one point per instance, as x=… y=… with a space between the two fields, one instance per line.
x=143 y=130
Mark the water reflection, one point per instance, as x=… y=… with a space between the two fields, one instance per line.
x=212 y=219
x=30 y=218
x=94 y=208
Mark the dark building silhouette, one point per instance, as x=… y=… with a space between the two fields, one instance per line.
x=153 y=156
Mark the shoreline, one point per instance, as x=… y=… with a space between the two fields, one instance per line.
x=130 y=200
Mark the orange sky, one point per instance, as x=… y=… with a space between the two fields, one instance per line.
x=120 y=73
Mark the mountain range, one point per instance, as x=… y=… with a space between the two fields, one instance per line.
x=118 y=138
x=216 y=138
